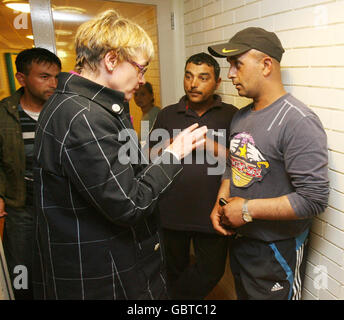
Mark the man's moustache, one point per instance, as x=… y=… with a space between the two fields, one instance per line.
x=195 y=92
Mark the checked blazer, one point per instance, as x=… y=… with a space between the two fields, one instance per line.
x=96 y=234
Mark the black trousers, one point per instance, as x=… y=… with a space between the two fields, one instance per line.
x=268 y=270
x=193 y=280
x=18 y=249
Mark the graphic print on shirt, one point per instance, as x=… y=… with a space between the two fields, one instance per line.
x=248 y=164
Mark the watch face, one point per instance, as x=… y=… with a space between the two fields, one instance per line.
x=245 y=214
x=247 y=217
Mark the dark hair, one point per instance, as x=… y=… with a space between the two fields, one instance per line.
x=203 y=57
x=149 y=87
x=39 y=55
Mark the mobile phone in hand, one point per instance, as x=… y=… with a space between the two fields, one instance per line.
x=222 y=202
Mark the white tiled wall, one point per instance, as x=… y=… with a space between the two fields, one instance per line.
x=312 y=32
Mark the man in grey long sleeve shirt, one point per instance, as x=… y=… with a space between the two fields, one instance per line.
x=276 y=179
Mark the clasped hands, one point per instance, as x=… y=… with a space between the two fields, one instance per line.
x=227 y=218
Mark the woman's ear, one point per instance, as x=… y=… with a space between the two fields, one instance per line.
x=110 y=60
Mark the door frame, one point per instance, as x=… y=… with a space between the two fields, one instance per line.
x=171 y=48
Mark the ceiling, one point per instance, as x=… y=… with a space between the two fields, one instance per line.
x=15 y=26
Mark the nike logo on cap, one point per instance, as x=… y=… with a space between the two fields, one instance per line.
x=228 y=51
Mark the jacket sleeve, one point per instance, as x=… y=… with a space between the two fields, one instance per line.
x=122 y=189
x=306 y=161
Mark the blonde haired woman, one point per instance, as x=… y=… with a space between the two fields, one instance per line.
x=96 y=234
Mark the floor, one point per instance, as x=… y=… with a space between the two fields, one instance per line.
x=225 y=289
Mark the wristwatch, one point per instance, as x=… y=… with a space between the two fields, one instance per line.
x=246 y=216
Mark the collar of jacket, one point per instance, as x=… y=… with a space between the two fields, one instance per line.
x=12 y=102
x=71 y=83
x=184 y=100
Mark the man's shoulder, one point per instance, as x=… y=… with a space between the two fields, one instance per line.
x=155 y=110
x=295 y=102
x=169 y=116
x=229 y=107
x=11 y=100
x=243 y=110
x=169 y=112
x=13 y=97
x=296 y=108
x=295 y=118
x=172 y=108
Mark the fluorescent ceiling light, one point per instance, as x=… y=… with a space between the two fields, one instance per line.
x=61 y=32
x=18 y=6
x=69 y=9
x=61 y=43
x=69 y=17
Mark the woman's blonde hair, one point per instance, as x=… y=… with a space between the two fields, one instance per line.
x=110 y=32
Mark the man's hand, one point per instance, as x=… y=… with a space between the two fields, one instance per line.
x=217 y=219
x=216 y=216
x=232 y=212
x=2 y=208
x=186 y=141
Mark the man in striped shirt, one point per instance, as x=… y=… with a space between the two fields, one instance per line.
x=37 y=71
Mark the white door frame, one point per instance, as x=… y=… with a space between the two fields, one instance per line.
x=170 y=42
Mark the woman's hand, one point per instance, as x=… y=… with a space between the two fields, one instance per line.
x=187 y=140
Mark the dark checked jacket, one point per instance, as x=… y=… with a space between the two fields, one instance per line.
x=96 y=233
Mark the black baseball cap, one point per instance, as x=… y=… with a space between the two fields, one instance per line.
x=247 y=39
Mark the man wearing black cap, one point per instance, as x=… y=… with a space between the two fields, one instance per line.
x=276 y=178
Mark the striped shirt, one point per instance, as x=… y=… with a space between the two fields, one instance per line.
x=28 y=120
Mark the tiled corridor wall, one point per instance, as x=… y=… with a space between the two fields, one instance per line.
x=312 y=32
